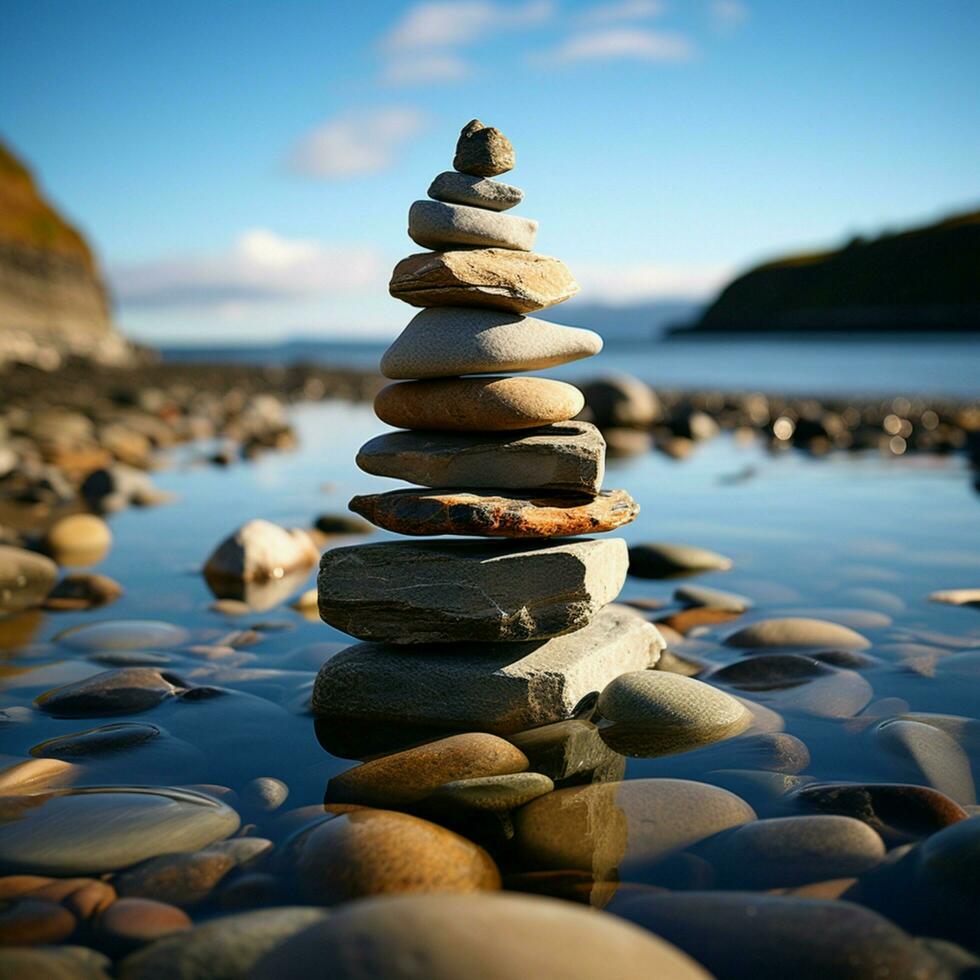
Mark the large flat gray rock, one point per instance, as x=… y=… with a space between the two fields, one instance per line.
x=435 y=225
x=500 y=687
x=566 y=456
x=473 y=592
x=451 y=340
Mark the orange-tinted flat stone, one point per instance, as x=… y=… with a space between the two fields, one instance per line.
x=432 y=512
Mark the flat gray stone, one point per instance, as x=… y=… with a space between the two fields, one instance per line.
x=567 y=456
x=500 y=688
x=475 y=191
x=449 y=591
x=439 y=226
x=447 y=341
x=796 y=631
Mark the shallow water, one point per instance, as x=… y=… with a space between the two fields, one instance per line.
x=806 y=536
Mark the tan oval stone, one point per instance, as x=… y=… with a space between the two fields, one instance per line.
x=420 y=512
x=379 y=852
x=134 y=921
x=475 y=937
x=797 y=632
x=501 y=278
x=492 y=404
x=608 y=827
x=454 y=340
x=409 y=776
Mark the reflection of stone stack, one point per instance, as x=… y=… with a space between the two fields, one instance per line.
x=493 y=635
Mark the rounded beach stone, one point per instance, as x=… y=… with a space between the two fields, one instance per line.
x=797 y=632
x=95 y=742
x=84 y=591
x=25 y=578
x=745 y=936
x=951 y=858
x=895 y=810
x=90 y=831
x=260 y=550
x=426 y=512
x=564 y=457
x=452 y=340
x=32 y=922
x=930 y=754
x=460 y=938
x=698 y=596
x=444 y=227
x=610 y=828
x=662 y=560
x=500 y=278
x=408 y=776
x=669 y=707
x=478 y=192
x=493 y=404
x=135 y=921
x=483 y=151
x=497 y=794
x=795 y=850
x=225 y=948
x=446 y=591
x=264 y=794
x=622 y=400
x=54 y=963
x=123 y=634
x=375 y=852
x=956 y=597
x=125 y=690
x=78 y=539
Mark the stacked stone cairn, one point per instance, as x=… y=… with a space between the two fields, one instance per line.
x=490 y=635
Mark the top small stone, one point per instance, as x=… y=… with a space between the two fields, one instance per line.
x=483 y=151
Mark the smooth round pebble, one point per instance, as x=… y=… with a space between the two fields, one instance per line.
x=135 y=921
x=123 y=634
x=32 y=922
x=26 y=578
x=78 y=539
x=265 y=794
x=123 y=691
x=699 y=595
x=663 y=560
x=797 y=632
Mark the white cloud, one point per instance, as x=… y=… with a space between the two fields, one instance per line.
x=449 y=23
x=632 y=283
x=424 y=68
x=727 y=14
x=356 y=143
x=608 y=13
x=624 y=42
x=261 y=266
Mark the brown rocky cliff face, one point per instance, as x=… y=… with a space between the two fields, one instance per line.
x=53 y=301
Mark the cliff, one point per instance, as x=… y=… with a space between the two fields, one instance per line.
x=923 y=279
x=53 y=301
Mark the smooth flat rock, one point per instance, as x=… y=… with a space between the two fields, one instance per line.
x=25 y=578
x=443 y=227
x=483 y=151
x=701 y=597
x=663 y=560
x=525 y=516
x=382 y=852
x=475 y=937
x=796 y=850
x=796 y=632
x=451 y=340
x=225 y=948
x=500 y=278
x=408 y=776
x=500 y=688
x=123 y=634
x=610 y=828
x=455 y=591
x=474 y=190
x=492 y=404
x=745 y=936
x=567 y=457
x=90 y=831
x=665 y=712
x=122 y=691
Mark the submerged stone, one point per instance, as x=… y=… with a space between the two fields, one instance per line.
x=443 y=592
x=500 y=515
x=501 y=688
x=25 y=578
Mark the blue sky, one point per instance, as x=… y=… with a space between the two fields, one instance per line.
x=244 y=169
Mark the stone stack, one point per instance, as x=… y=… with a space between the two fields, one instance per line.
x=496 y=635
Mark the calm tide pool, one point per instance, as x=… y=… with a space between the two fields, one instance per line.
x=218 y=701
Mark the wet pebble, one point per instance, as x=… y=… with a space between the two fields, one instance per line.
x=25 y=578
x=896 y=811
x=662 y=560
x=225 y=948
x=956 y=597
x=126 y=690
x=33 y=922
x=132 y=922
x=796 y=632
x=701 y=596
x=687 y=620
x=568 y=749
x=264 y=794
x=494 y=793
x=90 y=831
x=376 y=852
x=929 y=755
x=408 y=776
x=474 y=937
x=123 y=634
x=82 y=591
